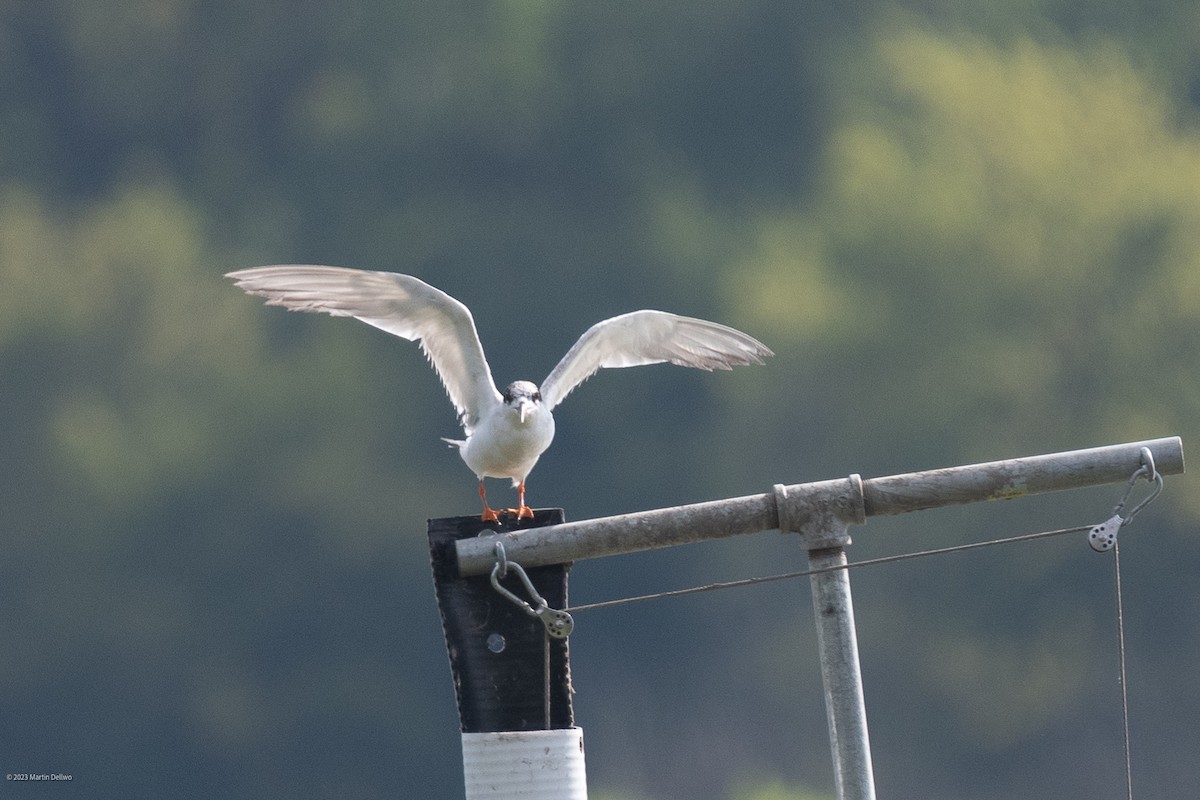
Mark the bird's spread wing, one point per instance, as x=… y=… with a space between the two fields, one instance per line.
x=650 y=337
x=398 y=304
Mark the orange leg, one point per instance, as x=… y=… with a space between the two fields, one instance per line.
x=523 y=511
x=488 y=514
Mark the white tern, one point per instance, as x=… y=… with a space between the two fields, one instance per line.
x=505 y=432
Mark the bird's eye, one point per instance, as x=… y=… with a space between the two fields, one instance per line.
x=537 y=396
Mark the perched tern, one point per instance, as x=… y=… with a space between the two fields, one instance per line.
x=505 y=431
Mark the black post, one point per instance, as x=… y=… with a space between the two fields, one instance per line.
x=497 y=650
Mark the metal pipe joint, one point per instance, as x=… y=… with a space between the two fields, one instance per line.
x=821 y=512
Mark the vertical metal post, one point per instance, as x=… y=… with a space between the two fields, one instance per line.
x=822 y=517
x=837 y=646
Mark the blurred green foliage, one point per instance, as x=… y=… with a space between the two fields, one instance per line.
x=969 y=231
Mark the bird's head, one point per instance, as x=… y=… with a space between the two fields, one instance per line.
x=522 y=396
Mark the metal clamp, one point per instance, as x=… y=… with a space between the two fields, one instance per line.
x=1103 y=537
x=558 y=624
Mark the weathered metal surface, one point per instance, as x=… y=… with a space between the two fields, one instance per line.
x=841 y=676
x=895 y=494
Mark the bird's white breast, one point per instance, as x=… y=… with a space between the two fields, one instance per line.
x=501 y=446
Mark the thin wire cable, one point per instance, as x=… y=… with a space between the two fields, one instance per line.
x=804 y=573
x=546 y=674
x=1121 y=660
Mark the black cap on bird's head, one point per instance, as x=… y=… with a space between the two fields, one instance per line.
x=523 y=396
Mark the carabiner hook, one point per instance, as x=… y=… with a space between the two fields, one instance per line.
x=558 y=624
x=1103 y=537
x=1151 y=474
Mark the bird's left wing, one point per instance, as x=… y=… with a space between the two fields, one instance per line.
x=399 y=304
x=650 y=337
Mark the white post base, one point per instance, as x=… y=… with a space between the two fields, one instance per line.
x=525 y=765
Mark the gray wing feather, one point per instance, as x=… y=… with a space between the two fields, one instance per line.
x=650 y=337
x=399 y=304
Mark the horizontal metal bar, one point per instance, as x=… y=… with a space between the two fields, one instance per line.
x=1016 y=477
x=626 y=533
x=895 y=494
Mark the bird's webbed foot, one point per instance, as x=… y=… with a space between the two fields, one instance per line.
x=522 y=511
x=489 y=514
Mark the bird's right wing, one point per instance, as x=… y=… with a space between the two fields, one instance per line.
x=650 y=337
x=399 y=304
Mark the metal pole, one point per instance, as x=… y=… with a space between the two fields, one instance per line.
x=821 y=513
x=895 y=494
x=837 y=649
x=824 y=528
